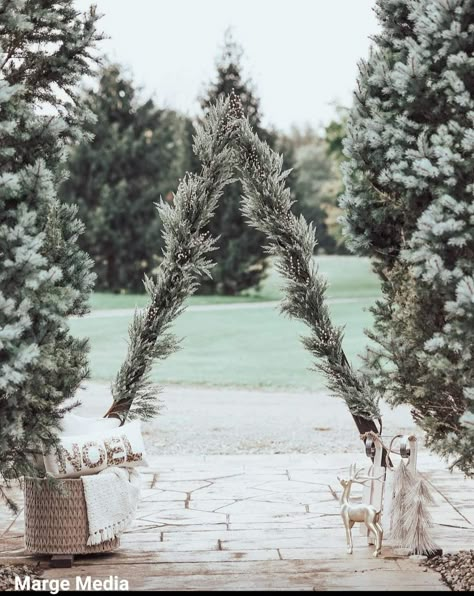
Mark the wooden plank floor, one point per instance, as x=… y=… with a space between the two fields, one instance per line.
x=258 y=522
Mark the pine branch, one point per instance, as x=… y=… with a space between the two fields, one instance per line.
x=291 y=240
x=186 y=258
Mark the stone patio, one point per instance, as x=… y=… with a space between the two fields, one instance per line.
x=254 y=522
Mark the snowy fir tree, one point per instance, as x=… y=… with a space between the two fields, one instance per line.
x=136 y=156
x=240 y=257
x=44 y=276
x=409 y=206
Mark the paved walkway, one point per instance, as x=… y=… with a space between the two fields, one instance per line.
x=258 y=522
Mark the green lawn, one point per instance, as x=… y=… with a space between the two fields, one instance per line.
x=252 y=347
x=348 y=276
x=104 y=301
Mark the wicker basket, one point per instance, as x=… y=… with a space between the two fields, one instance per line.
x=56 y=519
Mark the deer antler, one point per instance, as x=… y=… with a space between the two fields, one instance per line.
x=356 y=475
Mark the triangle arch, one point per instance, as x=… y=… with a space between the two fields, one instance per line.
x=225 y=145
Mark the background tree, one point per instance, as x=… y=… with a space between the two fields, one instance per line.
x=316 y=184
x=409 y=205
x=137 y=154
x=240 y=257
x=44 y=276
x=335 y=133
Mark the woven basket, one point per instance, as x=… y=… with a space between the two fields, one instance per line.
x=56 y=519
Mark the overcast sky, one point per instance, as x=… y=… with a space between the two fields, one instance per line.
x=301 y=54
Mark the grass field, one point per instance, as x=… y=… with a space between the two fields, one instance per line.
x=248 y=345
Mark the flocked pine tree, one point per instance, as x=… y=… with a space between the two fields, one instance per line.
x=136 y=156
x=409 y=205
x=44 y=276
x=418 y=520
x=240 y=258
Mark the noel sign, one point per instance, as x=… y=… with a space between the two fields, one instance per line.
x=81 y=455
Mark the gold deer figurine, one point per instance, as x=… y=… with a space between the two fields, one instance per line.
x=362 y=512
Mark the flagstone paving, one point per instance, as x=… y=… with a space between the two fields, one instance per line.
x=253 y=522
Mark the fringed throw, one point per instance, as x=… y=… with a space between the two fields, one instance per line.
x=111 y=500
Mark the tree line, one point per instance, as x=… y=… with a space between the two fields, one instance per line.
x=135 y=153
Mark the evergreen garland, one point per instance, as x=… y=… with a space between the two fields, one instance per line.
x=186 y=257
x=291 y=239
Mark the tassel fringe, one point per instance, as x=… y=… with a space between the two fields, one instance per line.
x=110 y=532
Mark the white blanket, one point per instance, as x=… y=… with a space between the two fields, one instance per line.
x=111 y=499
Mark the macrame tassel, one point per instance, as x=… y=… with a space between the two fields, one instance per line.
x=417 y=519
x=402 y=485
